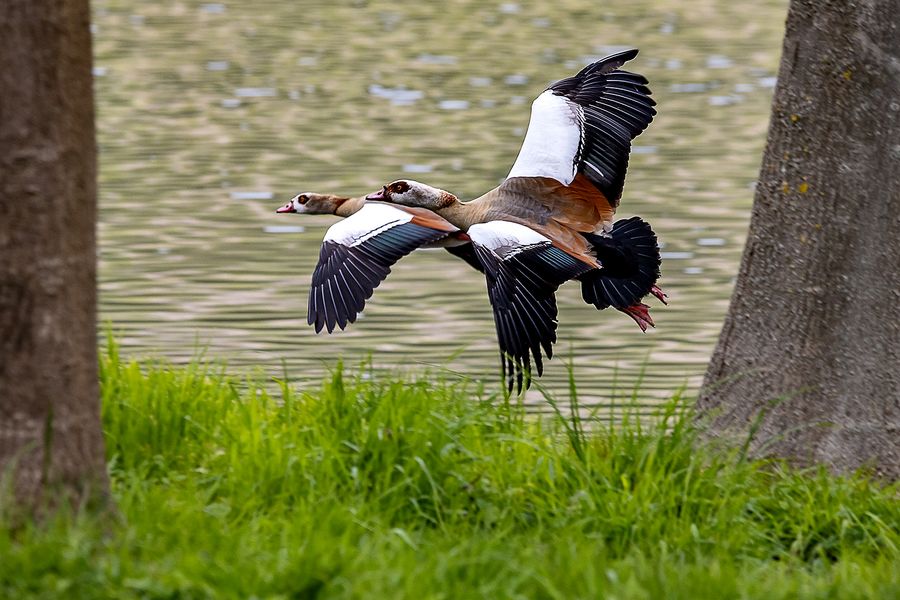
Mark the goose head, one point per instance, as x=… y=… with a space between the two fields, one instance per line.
x=412 y=193
x=313 y=204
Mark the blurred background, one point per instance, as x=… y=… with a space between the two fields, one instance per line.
x=211 y=115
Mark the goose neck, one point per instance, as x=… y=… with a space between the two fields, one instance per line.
x=349 y=206
x=458 y=213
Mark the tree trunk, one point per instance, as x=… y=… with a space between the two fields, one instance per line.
x=51 y=444
x=812 y=336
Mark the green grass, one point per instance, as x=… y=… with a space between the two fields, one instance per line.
x=414 y=487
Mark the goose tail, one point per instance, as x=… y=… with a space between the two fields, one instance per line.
x=629 y=255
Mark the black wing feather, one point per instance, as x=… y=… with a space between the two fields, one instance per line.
x=346 y=276
x=521 y=288
x=616 y=107
x=630 y=261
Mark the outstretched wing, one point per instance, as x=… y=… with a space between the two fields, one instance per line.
x=357 y=254
x=583 y=126
x=523 y=269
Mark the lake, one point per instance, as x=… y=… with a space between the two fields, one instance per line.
x=211 y=115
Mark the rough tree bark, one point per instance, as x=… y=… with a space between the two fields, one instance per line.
x=50 y=438
x=814 y=317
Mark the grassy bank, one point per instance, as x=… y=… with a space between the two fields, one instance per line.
x=428 y=489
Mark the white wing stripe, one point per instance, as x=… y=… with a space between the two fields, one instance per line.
x=372 y=219
x=552 y=140
x=505 y=238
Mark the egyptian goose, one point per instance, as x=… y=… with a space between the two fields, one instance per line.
x=552 y=218
x=357 y=253
x=311 y=203
x=529 y=235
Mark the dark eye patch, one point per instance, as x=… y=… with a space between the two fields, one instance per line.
x=303 y=198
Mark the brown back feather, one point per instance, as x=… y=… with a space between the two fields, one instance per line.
x=580 y=205
x=556 y=210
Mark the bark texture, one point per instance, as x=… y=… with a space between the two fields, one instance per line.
x=51 y=442
x=814 y=320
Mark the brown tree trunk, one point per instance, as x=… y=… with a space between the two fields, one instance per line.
x=51 y=443
x=812 y=336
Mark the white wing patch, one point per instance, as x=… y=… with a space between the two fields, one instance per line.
x=505 y=238
x=369 y=221
x=552 y=140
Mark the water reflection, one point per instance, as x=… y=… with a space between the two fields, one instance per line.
x=211 y=114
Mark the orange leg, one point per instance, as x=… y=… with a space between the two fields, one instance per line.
x=640 y=312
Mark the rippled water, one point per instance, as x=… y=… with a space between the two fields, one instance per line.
x=213 y=114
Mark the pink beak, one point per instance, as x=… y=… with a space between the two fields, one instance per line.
x=287 y=208
x=379 y=195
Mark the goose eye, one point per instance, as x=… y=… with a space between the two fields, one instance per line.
x=302 y=199
x=400 y=188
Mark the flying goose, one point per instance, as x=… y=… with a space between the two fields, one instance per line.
x=357 y=253
x=553 y=214
x=312 y=203
x=529 y=235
